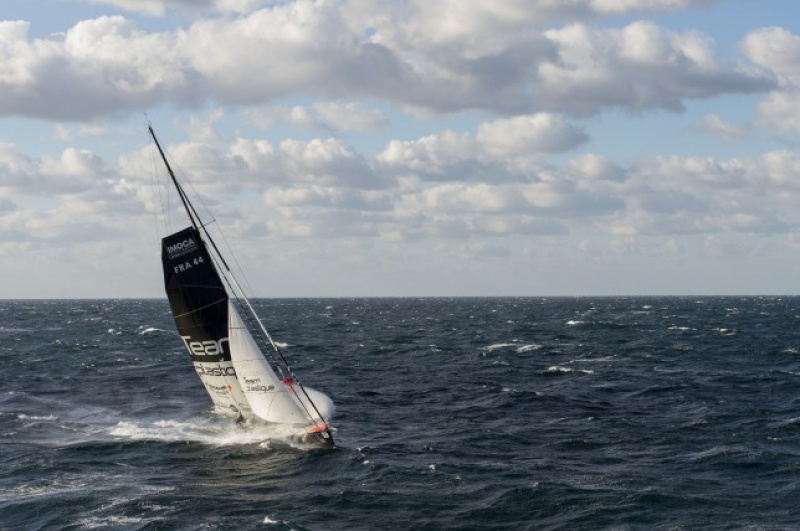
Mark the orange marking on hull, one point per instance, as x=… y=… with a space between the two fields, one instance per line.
x=317 y=429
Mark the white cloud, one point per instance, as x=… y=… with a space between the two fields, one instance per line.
x=777 y=50
x=67 y=133
x=780 y=112
x=595 y=167
x=499 y=58
x=350 y=116
x=529 y=135
x=297 y=116
x=324 y=116
x=99 y=66
x=326 y=197
x=638 y=67
x=327 y=162
x=715 y=125
x=500 y=150
x=326 y=187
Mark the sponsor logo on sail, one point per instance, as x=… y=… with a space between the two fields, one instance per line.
x=254 y=385
x=205 y=348
x=215 y=371
x=181 y=248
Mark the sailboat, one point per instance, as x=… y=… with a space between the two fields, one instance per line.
x=222 y=331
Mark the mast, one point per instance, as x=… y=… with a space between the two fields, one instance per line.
x=185 y=200
x=190 y=210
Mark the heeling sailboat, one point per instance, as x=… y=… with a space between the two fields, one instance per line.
x=204 y=296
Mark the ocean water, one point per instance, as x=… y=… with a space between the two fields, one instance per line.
x=491 y=413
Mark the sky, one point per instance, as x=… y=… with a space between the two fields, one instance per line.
x=351 y=148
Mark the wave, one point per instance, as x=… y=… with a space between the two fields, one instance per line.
x=150 y=330
x=559 y=368
x=513 y=346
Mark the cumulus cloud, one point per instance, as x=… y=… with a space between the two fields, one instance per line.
x=595 y=168
x=497 y=57
x=495 y=153
x=531 y=134
x=73 y=172
x=298 y=116
x=780 y=112
x=414 y=189
x=99 y=67
x=350 y=116
x=715 y=125
x=72 y=198
x=325 y=116
x=324 y=188
x=777 y=51
x=638 y=67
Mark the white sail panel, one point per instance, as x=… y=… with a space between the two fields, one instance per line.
x=269 y=398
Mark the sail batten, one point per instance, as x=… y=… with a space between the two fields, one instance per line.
x=200 y=309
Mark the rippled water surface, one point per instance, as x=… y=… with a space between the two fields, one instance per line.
x=561 y=413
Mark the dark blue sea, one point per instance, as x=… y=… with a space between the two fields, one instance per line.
x=465 y=413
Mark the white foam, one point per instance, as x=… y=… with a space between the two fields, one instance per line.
x=105 y=522
x=526 y=348
x=559 y=368
x=23 y=416
x=217 y=432
x=498 y=346
x=150 y=330
x=34 y=491
x=516 y=346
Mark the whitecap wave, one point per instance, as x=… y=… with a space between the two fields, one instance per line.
x=518 y=347
x=559 y=368
x=150 y=330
